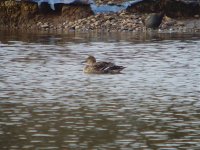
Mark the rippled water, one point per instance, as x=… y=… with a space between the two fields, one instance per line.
x=47 y=102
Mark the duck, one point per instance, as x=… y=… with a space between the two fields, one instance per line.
x=154 y=20
x=93 y=67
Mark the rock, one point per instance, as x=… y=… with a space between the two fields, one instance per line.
x=97 y=23
x=180 y=23
x=154 y=20
x=107 y=22
x=45 y=25
x=77 y=27
x=39 y=24
x=26 y=15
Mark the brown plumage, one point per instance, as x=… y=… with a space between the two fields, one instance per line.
x=101 y=67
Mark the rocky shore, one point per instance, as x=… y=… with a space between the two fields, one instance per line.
x=27 y=16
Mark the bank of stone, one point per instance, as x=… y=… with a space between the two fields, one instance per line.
x=26 y=15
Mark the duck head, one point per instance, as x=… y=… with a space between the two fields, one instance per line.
x=90 y=60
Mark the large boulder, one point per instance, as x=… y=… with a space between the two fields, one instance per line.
x=172 y=8
x=13 y=13
x=75 y=12
x=25 y=14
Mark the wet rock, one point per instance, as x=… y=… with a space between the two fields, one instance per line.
x=154 y=20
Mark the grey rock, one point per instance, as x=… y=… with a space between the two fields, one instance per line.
x=154 y=20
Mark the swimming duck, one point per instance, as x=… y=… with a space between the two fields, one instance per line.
x=153 y=20
x=94 y=67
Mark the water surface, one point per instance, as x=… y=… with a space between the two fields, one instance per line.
x=47 y=102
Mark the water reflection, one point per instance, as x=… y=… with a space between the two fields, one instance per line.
x=46 y=102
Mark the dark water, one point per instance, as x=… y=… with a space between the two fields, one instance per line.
x=47 y=102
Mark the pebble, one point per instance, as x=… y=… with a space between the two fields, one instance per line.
x=110 y=22
x=45 y=25
x=122 y=21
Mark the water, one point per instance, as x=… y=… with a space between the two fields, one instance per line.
x=47 y=102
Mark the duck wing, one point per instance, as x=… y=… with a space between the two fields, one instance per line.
x=108 y=67
x=102 y=66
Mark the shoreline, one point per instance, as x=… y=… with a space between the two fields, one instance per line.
x=80 y=18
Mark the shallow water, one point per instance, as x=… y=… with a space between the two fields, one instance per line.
x=47 y=102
